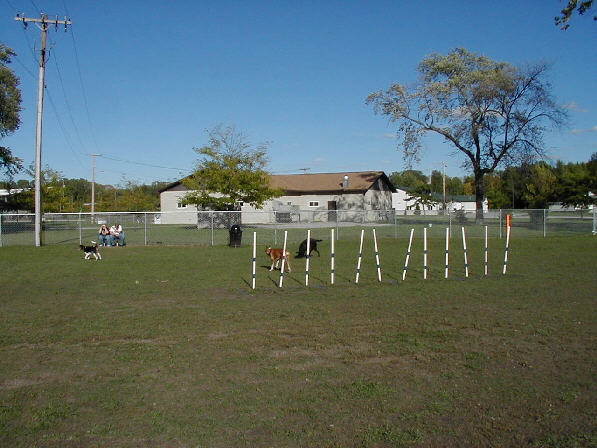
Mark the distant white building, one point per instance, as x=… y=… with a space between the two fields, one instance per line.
x=401 y=202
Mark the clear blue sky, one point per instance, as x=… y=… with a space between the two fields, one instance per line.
x=141 y=81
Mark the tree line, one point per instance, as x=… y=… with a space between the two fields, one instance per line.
x=528 y=186
x=62 y=195
x=490 y=112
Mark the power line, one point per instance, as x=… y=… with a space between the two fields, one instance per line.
x=68 y=107
x=67 y=137
x=83 y=91
x=116 y=159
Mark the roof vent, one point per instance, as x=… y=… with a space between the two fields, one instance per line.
x=345 y=182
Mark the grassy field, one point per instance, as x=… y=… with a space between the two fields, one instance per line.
x=170 y=347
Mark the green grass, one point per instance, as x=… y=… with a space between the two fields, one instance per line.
x=170 y=347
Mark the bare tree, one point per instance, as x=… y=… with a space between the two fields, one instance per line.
x=491 y=112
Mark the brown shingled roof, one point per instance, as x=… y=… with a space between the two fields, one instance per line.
x=358 y=182
x=320 y=183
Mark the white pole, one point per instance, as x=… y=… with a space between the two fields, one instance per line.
x=507 y=249
x=410 y=243
x=465 y=255
x=360 y=256
x=254 y=258
x=332 y=259
x=447 y=251
x=307 y=261
x=283 y=258
x=425 y=253
x=377 y=257
x=486 y=252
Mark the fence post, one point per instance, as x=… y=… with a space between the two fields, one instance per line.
x=544 y=223
x=501 y=212
x=0 y=230
x=594 y=219
x=275 y=227
x=145 y=230
x=212 y=227
x=80 y=230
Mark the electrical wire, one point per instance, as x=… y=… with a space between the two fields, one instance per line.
x=67 y=137
x=82 y=84
x=116 y=159
x=68 y=106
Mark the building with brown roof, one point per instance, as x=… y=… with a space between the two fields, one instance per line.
x=306 y=197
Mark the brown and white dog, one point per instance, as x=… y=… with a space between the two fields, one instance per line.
x=275 y=255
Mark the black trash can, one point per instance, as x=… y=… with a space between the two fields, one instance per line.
x=236 y=236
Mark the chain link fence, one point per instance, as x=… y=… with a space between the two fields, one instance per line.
x=213 y=228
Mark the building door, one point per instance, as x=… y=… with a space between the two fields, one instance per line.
x=332 y=213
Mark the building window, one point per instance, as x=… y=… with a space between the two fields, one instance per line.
x=180 y=205
x=313 y=203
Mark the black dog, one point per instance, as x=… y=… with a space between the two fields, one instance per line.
x=303 y=248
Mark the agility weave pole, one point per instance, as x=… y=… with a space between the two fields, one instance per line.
x=486 y=252
x=447 y=252
x=332 y=259
x=254 y=260
x=465 y=254
x=283 y=258
x=425 y=267
x=356 y=280
x=377 y=257
x=308 y=257
x=410 y=243
x=507 y=249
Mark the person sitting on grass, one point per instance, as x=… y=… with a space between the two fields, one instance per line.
x=104 y=238
x=117 y=235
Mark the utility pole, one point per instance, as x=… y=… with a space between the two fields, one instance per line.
x=93 y=156
x=42 y=23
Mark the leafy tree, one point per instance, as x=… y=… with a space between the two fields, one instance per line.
x=136 y=198
x=437 y=182
x=54 y=191
x=454 y=186
x=408 y=178
x=78 y=192
x=592 y=167
x=581 y=7
x=230 y=171
x=421 y=197
x=514 y=180
x=491 y=112
x=496 y=196
x=10 y=107
x=574 y=184
x=541 y=186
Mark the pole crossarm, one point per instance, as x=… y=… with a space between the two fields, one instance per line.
x=44 y=21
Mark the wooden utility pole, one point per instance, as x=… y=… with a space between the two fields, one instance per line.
x=43 y=24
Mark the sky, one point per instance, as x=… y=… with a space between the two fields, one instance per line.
x=140 y=82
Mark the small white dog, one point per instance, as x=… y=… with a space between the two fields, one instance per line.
x=91 y=250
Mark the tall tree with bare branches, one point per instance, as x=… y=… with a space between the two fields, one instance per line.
x=490 y=112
